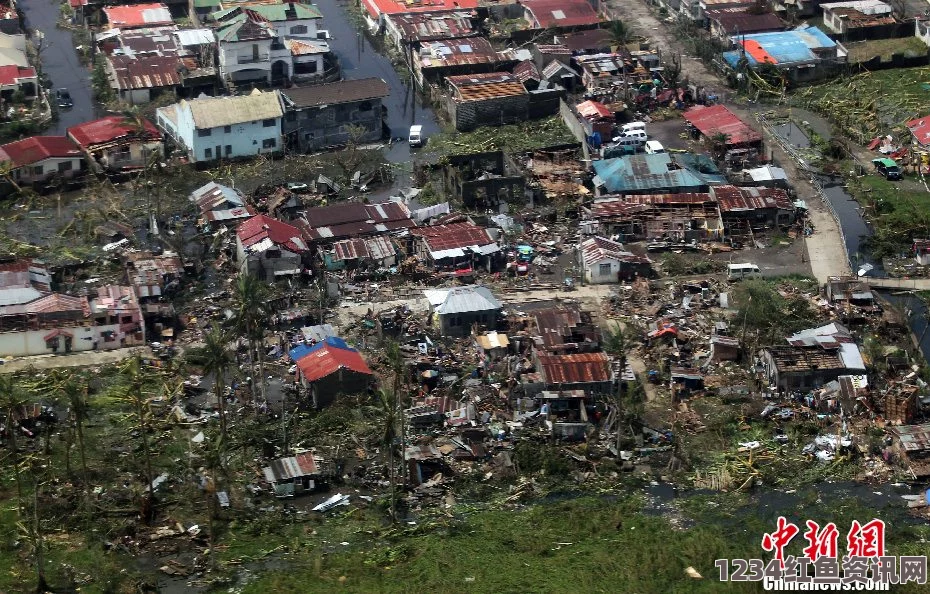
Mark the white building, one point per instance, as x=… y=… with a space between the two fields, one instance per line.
x=605 y=261
x=211 y=128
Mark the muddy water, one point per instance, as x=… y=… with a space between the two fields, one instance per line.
x=60 y=62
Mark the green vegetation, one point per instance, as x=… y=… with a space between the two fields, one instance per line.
x=685 y=264
x=872 y=103
x=863 y=51
x=897 y=214
x=768 y=310
x=514 y=138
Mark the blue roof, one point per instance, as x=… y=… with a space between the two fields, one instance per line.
x=301 y=351
x=786 y=47
x=663 y=172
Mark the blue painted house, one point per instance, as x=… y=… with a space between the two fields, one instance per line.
x=212 y=128
x=804 y=53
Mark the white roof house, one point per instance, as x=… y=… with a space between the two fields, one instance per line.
x=462 y=300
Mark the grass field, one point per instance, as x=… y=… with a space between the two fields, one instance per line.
x=872 y=103
x=897 y=214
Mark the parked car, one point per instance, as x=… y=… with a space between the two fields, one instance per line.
x=298 y=187
x=63 y=97
x=887 y=168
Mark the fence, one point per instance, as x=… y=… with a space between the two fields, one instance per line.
x=815 y=182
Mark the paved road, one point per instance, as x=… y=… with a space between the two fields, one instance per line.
x=60 y=62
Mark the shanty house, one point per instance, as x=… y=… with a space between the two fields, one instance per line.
x=269 y=248
x=211 y=128
x=376 y=252
x=325 y=224
x=408 y=30
x=607 y=261
x=456 y=310
x=329 y=369
x=715 y=120
x=653 y=174
x=442 y=58
x=490 y=99
x=760 y=207
x=138 y=16
x=117 y=144
x=913 y=445
x=153 y=276
x=323 y=115
x=812 y=358
x=562 y=330
x=679 y=217
x=293 y=475
x=40 y=160
x=590 y=372
x=220 y=205
x=455 y=245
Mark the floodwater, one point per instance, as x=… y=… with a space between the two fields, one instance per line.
x=60 y=62
x=360 y=59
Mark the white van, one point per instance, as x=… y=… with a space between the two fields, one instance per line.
x=629 y=145
x=416 y=136
x=633 y=127
x=741 y=271
x=654 y=147
x=635 y=134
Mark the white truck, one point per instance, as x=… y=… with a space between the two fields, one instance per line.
x=416 y=135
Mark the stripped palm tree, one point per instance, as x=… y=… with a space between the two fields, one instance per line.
x=387 y=400
x=250 y=315
x=217 y=363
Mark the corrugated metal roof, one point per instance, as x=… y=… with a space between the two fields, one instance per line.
x=575 y=368
x=473 y=298
x=593 y=109
x=717 y=119
x=429 y=26
x=263 y=228
x=327 y=360
x=453 y=236
x=456 y=52
x=189 y=37
x=733 y=199
x=29 y=151
x=213 y=196
x=287 y=469
x=138 y=15
x=110 y=129
x=344 y=91
x=913 y=438
x=561 y=13
x=146 y=72
x=491 y=85
x=376 y=248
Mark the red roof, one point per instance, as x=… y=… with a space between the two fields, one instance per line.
x=454 y=235
x=733 y=199
x=376 y=8
x=327 y=360
x=77 y=3
x=561 y=13
x=717 y=119
x=138 y=15
x=109 y=129
x=920 y=128
x=593 y=109
x=261 y=227
x=575 y=369
x=38 y=148
x=10 y=74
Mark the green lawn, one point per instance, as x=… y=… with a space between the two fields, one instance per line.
x=863 y=51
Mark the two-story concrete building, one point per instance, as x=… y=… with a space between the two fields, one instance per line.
x=325 y=115
x=211 y=128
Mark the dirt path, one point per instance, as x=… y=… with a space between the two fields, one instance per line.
x=82 y=359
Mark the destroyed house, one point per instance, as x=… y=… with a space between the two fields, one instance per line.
x=849 y=290
x=490 y=99
x=565 y=413
x=118 y=143
x=152 y=276
x=457 y=310
x=590 y=372
x=768 y=207
x=324 y=115
x=913 y=444
x=867 y=17
x=269 y=248
x=607 y=261
x=141 y=78
x=376 y=252
x=408 y=30
x=812 y=358
x=654 y=174
x=325 y=224
x=455 y=245
x=293 y=475
x=329 y=371
x=565 y=330
x=482 y=180
x=221 y=205
x=690 y=216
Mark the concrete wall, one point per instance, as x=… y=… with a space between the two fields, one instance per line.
x=490 y=112
x=49 y=169
x=230 y=54
x=264 y=267
x=345 y=381
x=32 y=342
x=460 y=324
x=244 y=140
x=593 y=275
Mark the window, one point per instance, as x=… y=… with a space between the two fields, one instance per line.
x=299 y=30
x=603 y=269
x=228 y=149
x=204 y=132
x=37 y=170
x=125 y=320
x=227 y=129
x=291 y=116
x=269 y=143
x=207 y=153
x=268 y=123
x=364 y=106
x=65 y=167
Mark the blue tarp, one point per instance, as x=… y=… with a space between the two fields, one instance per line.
x=786 y=47
x=301 y=351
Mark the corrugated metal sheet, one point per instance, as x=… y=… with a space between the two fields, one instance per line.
x=376 y=248
x=731 y=199
x=286 y=469
x=479 y=87
x=327 y=360
x=427 y=26
x=453 y=236
x=717 y=119
x=574 y=369
x=913 y=438
x=474 y=298
x=457 y=52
